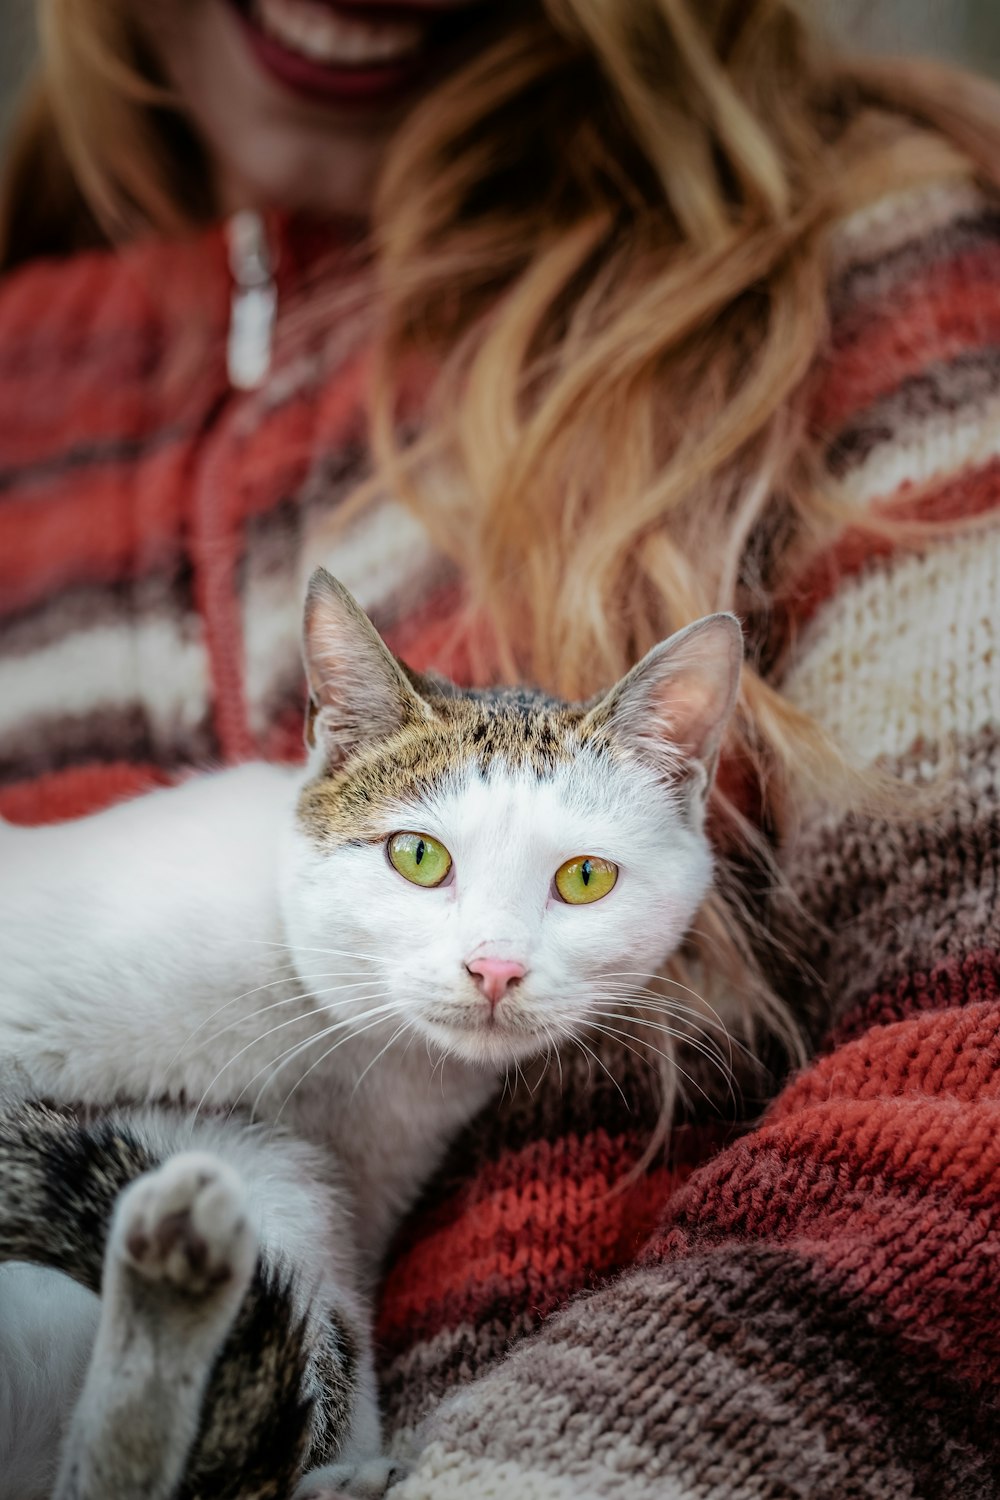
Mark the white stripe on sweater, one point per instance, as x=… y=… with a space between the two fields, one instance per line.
x=922 y=451
x=909 y=651
x=156 y=661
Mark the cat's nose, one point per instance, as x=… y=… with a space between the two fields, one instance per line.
x=495 y=975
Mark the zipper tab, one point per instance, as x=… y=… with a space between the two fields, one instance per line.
x=254 y=302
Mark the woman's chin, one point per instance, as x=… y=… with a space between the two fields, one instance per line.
x=283 y=130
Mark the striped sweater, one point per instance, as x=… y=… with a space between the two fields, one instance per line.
x=807 y=1308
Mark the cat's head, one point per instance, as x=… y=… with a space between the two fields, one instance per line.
x=484 y=866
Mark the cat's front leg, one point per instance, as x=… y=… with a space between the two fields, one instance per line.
x=179 y=1261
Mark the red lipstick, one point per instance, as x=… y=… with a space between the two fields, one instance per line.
x=342 y=54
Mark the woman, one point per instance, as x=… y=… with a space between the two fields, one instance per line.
x=655 y=308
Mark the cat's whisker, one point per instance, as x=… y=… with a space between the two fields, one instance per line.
x=674 y=984
x=666 y=1003
x=649 y=977
x=397 y=1033
x=590 y=1067
x=630 y=987
x=302 y=948
x=672 y=1007
x=322 y=1058
x=255 y=1041
x=671 y=1000
x=601 y=1064
x=289 y=978
x=706 y=1049
x=625 y=1039
x=327 y=1005
x=534 y=1086
x=672 y=1058
x=552 y=1049
x=292 y=1021
x=547 y=1060
x=685 y=1018
x=274 y=1065
x=698 y=1028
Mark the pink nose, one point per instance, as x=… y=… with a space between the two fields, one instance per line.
x=494 y=975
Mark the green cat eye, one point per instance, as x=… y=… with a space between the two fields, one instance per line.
x=585 y=878
x=419 y=858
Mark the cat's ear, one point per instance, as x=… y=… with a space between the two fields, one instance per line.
x=358 y=692
x=673 y=706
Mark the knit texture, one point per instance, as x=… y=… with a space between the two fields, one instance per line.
x=807 y=1308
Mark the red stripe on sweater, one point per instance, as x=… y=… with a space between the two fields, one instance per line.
x=972 y=493
x=539 y=1228
x=953 y=1052
x=112 y=524
x=110 y=346
x=77 y=791
x=880 y=1167
x=950 y=310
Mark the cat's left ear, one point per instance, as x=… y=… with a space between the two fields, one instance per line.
x=358 y=691
x=673 y=706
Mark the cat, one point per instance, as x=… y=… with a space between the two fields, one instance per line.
x=243 y=1018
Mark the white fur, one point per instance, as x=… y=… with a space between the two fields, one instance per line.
x=120 y=933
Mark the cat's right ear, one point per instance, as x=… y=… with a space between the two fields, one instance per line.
x=358 y=692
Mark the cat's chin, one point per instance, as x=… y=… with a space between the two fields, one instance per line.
x=492 y=1047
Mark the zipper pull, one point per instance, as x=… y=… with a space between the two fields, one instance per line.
x=254 y=302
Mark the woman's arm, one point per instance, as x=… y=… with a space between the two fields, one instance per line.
x=816 y=1314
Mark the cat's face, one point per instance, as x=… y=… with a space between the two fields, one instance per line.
x=493 y=870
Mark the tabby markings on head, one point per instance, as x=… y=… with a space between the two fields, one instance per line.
x=477 y=730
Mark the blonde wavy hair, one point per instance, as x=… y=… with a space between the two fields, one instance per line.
x=607 y=236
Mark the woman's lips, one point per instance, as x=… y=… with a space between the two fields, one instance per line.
x=345 y=54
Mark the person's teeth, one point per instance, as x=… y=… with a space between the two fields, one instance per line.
x=329 y=37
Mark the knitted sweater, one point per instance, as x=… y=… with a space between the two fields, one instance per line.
x=808 y=1308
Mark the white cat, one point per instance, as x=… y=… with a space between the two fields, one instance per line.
x=351 y=956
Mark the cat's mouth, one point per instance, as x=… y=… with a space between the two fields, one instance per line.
x=483 y=1032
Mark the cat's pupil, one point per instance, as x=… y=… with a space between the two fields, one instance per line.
x=585 y=870
x=419 y=851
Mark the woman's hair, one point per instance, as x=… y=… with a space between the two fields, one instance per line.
x=101 y=150
x=607 y=238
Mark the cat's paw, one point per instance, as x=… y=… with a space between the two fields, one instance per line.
x=186 y=1225
x=367 y=1480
